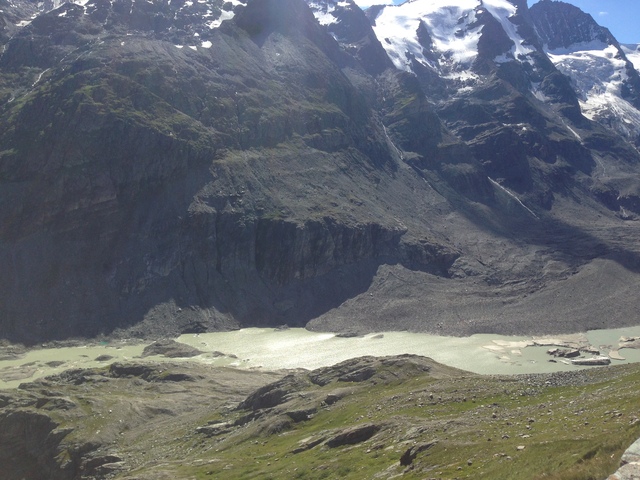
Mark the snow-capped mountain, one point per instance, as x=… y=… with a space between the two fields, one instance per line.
x=178 y=165
x=445 y=35
x=456 y=38
x=605 y=79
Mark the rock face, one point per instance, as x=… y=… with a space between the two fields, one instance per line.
x=630 y=464
x=561 y=25
x=608 y=84
x=183 y=167
x=34 y=439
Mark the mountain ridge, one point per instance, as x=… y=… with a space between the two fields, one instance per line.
x=175 y=167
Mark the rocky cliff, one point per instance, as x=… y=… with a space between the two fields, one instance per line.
x=171 y=167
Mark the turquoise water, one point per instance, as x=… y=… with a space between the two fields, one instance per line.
x=299 y=348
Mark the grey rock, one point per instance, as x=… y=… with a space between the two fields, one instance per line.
x=629 y=464
x=171 y=349
x=353 y=435
x=411 y=453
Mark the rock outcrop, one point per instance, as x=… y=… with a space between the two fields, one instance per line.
x=630 y=464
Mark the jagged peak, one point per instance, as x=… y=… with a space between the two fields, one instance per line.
x=561 y=25
x=604 y=78
x=446 y=37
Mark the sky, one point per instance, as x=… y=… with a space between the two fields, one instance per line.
x=622 y=17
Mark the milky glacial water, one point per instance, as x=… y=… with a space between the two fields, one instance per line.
x=299 y=348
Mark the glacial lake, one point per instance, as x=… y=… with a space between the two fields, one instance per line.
x=299 y=348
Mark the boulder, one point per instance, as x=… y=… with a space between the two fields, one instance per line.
x=629 y=464
x=411 y=453
x=171 y=349
x=353 y=435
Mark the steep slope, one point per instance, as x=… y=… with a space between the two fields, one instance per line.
x=608 y=88
x=222 y=169
x=178 y=166
x=606 y=81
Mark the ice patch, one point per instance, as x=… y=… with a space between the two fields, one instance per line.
x=595 y=68
x=502 y=10
x=224 y=15
x=598 y=74
x=447 y=22
x=633 y=54
x=323 y=13
x=539 y=94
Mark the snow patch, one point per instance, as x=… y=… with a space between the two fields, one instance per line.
x=514 y=196
x=206 y=44
x=323 y=13
x=598 y=74
x=451 y=26
x=502 y=11
x=224 y=15
x=633 y=54
x=447 y=23
x=596 y=68
x=539 y=94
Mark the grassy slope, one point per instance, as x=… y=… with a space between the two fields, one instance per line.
x=571 y=427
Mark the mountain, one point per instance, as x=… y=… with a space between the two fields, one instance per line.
x=608 y=85
x=175 y=166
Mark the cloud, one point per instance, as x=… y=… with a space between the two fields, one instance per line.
x=603 y=14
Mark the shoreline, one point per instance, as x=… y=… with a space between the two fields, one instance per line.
x=291 y=348
x=124 y=340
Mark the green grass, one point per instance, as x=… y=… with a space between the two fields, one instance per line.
x=477 y=423
x=569 y=435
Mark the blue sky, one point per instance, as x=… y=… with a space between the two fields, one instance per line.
x=622 y=17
